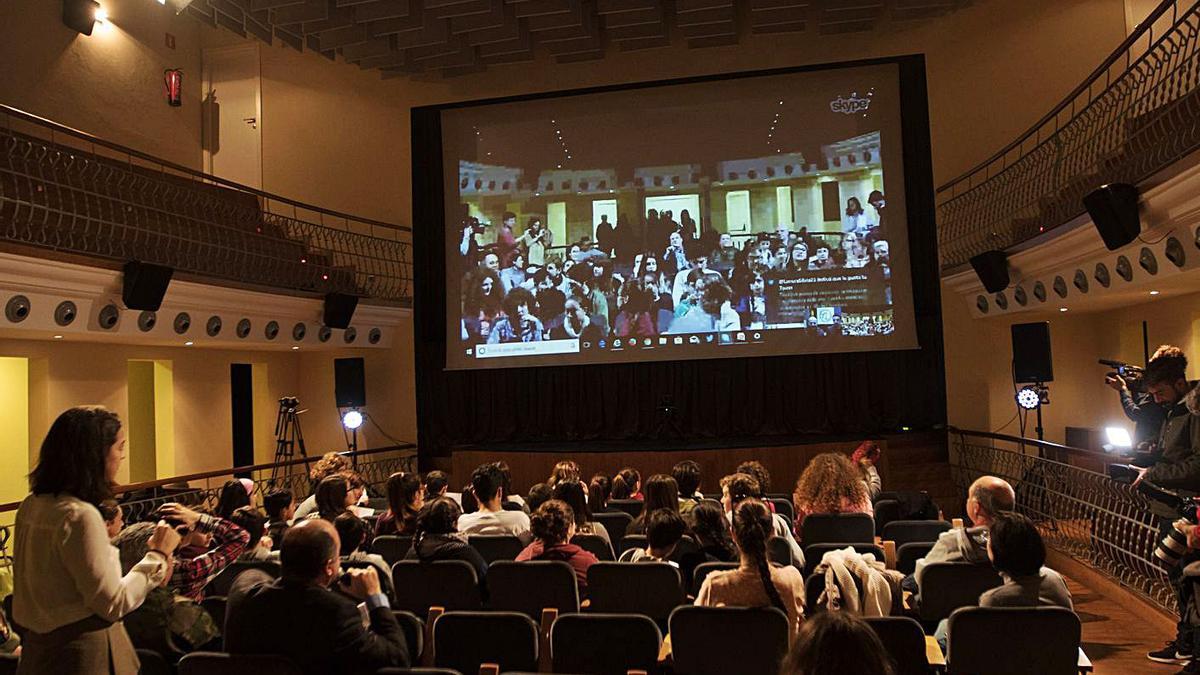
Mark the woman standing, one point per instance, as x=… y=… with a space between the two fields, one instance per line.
x=69 y=592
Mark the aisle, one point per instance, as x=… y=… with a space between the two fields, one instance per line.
x=1114 y=638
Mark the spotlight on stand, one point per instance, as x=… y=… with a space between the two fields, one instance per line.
x=1119 y=440
x=352 y=419
x=1029 y=398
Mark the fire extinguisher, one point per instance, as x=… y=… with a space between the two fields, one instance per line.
x=173 y=86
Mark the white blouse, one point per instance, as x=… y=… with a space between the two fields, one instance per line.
x=65 y=569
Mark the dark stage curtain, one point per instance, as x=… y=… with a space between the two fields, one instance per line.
x=833 y=394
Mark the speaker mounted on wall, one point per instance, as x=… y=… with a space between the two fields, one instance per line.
x=1032 y=361
x=144 y=285
x=349 y=383
x=339 y=309
x=992 y=268
x=1114 y=210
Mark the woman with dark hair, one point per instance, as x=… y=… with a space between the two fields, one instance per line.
x=255 y=524
x=553 y=525
x=662 y=492
x=483 y=298
x=333 y=497
x=833 y=643
x=577 y=322
x=566 y=471
x=856 y=219
x=797 y=262
x=406 y=496
x=353 y=533
x=638 y=316
x=69 y=593
x=1016 y=550
x=710 y=527
x=536 y=239
x=519 y=324
x=627 y=484
x=755 y=583
x=713 y=308
x=539 y=494
x=750 y=296
x=436 y=537
x=234 y=496
x=574 y=495
x=329 y=464
x=599 y=492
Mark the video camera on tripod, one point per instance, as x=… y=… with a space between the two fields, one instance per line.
x=289 y=438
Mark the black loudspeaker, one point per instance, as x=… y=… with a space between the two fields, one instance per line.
x=1031 y=352
x=339 y=309
x=145 y=285
x=1114 y=210
x=992 y=268
x=349 y=383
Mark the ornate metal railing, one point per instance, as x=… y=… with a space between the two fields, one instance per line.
x=202 y=490
x=65 y=190
x=1133 y=116
x=1081 y=513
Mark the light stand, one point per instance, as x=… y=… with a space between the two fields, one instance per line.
x=1033 y=397
x=352 y=419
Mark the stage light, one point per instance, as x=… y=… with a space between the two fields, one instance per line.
x=352 y=419
x=101 y=15
x=1029 y=398
x=81 y=15
x=1153 y=292
x=1118 y=438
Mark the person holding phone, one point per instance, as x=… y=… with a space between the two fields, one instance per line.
x=69 y=593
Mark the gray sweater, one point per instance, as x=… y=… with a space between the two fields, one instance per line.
x=1044 y=589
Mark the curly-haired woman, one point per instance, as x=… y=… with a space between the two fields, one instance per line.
x=830 y=484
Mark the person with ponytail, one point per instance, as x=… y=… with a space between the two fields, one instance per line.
x=627 y=484
x=756 y=582
x=406 y=496
x=436 y=537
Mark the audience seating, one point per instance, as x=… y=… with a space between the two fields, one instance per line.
x=723 y=640
x=384 y=582
x=615 y=522
x=495 y=547
x=814 y=585
x=464 y=640
x=904 y=641
x=914 y=531
x=651 y=588
x=886 y=511
x=450 y=584
x=216 y=663
x=707 y=568
x=604 y=644
x=153 y=663
x=391 y=547
x=779 y=551
x=221 y=583
x=947 y=586
x=908 y=554
x=529 y=587
x=813 y=553
x=414 y=632
x=215 y=606
x=631 y=541
x=827 y=528
x=595 y=544
x=996 y=640
x=8 y=666
x=784 y=508
x=633 y=507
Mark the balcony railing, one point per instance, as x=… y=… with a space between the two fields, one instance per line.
x=1132 y=117
x=64 y=190
x=1101 y=523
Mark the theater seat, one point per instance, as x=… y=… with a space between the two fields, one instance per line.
x=723 y=640
x=529 y=587
x=826 y=528
x=8 y=665
x=949 y=585
x=221 y=583
x=450 y=584
x=814 y=553
x=594 y=544
x=414 y=632
x=153 y=663
x=391 y=547
x=464 y=640
x=904 y=641
x=1001 y=640
x=705 y=569
x=616 y=523
x=908 y=554
x=217 y=663
x=604 y=644
x=633 y=507
x=650 y=588
x=914 y=531
x=493 y=547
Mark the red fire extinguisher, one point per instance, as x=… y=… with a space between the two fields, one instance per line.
x=173 y=86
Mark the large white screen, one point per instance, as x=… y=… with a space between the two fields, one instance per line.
x=753 y=216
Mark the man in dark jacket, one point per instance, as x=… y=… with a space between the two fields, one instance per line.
x=1178 y=469
x=297 y=616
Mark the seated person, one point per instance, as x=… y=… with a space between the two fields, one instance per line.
x=298 y=617
x=487 y=484
x=830 y=484
x=437 y=537
x=756 y=582
x=220 y=541
x=281 y=508
x=573 y=493
x=831 y=643
x=352 y=531
x=664 y=530
x=330 y=463
x=661 y=493
x=741 y=486
x=335 y=495
x=406 y=496
x=437 y=484
x=165 y=620
x=259 y=547
x=114 y=518
x=687 y=479
x=865 y=457
x=710 y=528
x=986 y=497
x=10 y=642
x=539 y=494
x=553 y=525
x=1016 y=550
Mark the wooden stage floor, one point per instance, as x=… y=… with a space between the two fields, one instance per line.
x=1114 y=638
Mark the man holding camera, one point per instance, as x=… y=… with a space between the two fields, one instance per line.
x=1177 y=469
x=1139 y=406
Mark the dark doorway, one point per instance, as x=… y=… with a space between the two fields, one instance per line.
x=241 y=388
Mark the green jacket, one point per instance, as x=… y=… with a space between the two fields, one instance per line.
x=1179 y=446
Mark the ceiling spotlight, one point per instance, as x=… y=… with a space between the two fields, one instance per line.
x=352 y=419
x=189 y=343
x=1062 y=309
x=1153 y=292
x=1029 y=398
x=58 y=337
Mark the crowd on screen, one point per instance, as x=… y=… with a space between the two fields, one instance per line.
x=665 y=278
x=89 y=587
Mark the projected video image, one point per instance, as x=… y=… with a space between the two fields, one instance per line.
x=601 y=232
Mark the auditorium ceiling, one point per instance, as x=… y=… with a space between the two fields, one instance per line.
x=445 y=38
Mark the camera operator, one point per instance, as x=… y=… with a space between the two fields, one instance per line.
x=1140 y=407
x=469 y=246
x=1178 y=469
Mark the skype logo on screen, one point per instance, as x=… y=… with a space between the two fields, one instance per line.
x=852 y=104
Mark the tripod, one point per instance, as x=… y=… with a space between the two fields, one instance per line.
x=666 y=420
x=289 y=437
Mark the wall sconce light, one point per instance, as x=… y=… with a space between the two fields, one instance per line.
x=81 y=15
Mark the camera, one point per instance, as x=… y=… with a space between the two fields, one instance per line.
x=1174 y=545
x=1130 y=373
x=477 y=228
